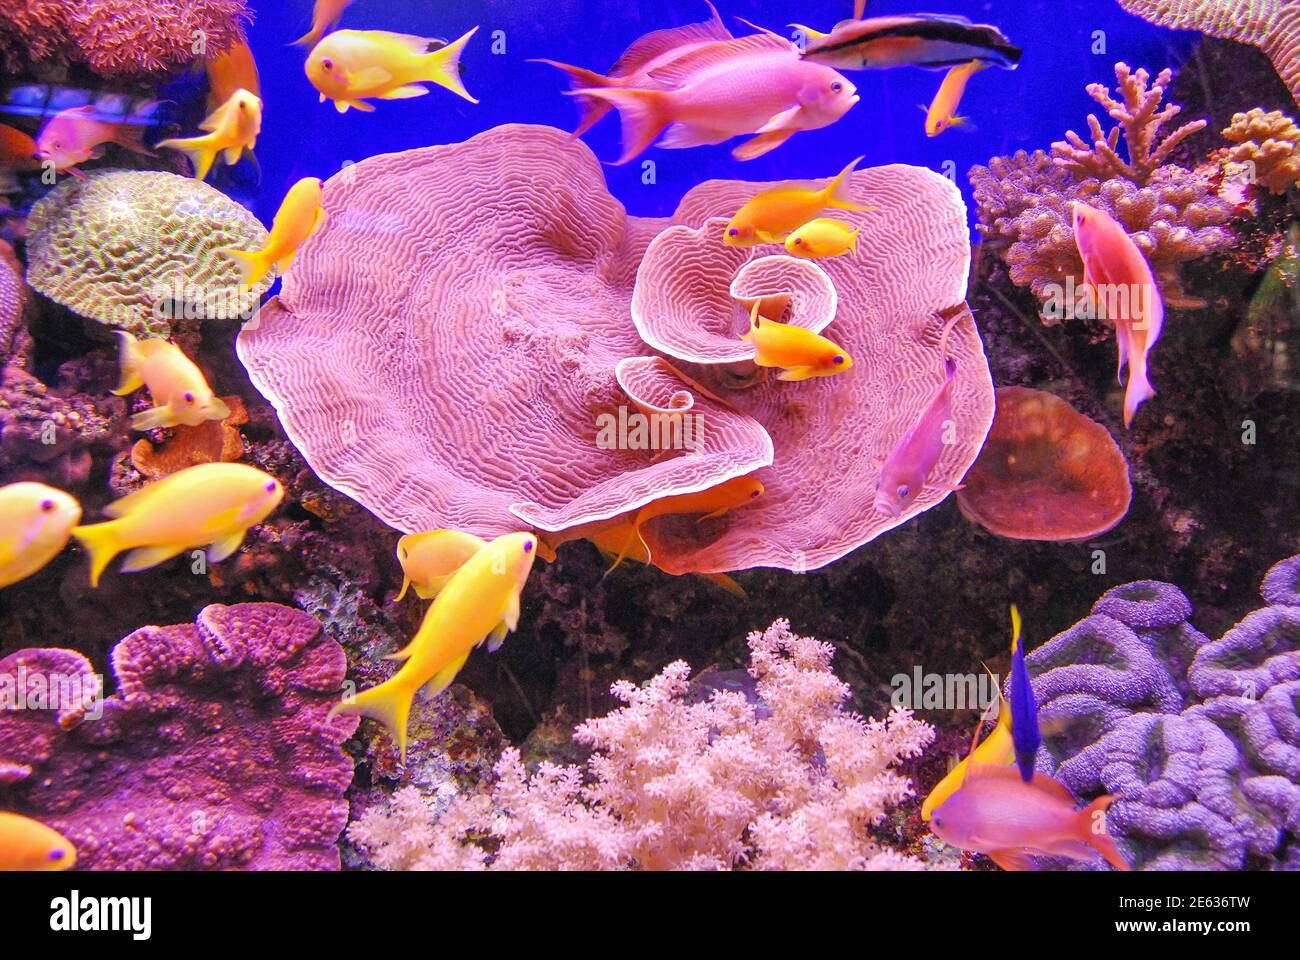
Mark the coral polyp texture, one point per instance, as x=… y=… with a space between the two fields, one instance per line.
x=1271 y=25
x=1197 y=739
x=1046 y=472
x=1174 y=215
x=137 y=249
x=13 y=301
x=213 y=753
x=118 y=38
x=1270 y=142
x=785 y=780
x=446 y=348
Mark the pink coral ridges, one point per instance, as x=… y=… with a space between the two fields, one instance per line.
x=214 y=752
x=788 y=780
x=444 y=350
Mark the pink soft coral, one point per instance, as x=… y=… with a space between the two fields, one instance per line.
x=785 y=780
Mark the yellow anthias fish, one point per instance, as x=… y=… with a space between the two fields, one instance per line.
x=822 y=237
x=431 y=559
x=776 y=213
x=942 y=111
x=180 y=394
x=233 y=130
x=211 y=505
x=352 y=66
x=480 y=602
x=27 y=844
x=35 y=524
x=801 y=354
x=299 y=218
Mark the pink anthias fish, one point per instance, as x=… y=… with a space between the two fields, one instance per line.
x=908 y=466
x=76 y=135
x=1124 y=289
x=995 y=812
x=635 y=68
x=756 y=85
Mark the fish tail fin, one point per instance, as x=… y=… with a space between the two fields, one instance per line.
x=590 y=109
x=201 y=151
x=389 y=703
x=444 y=66
x=131 y=135
x=100 y=541
x=726 y=583
x=406 y=585
x=1092 y=826
x=129 y=359
x=836 y=192
x=627 y=546
x=644 y=114
x=253 y=264
x=311 y=37
x=1138 y=391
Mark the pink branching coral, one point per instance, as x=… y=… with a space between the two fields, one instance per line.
x=786 y=780
x=119 y=38
x=1173 y=214
x=1271 y=25
x=1270 y=142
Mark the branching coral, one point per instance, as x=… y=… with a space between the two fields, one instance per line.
x=790 y=782
x=1173 y=214
x=118 y=38
x=1270 y=142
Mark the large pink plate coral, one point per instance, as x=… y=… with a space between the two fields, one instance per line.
x=444 y=350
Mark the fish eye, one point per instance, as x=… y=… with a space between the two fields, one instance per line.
x=189 y=398
x=327 y=63
x=838 y=358
x=938 y=821
x=798 y=241
x=837 y=86
x=58 y=853
x=754 y=493
x=47 y=505
x=902 y=491
x=270 y=487
x=733 y=232
x=528 y=545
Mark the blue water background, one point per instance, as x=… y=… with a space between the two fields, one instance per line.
x=1022 y=109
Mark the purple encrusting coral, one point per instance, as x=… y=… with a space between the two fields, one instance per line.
x=1198 y=740
x=214 y=753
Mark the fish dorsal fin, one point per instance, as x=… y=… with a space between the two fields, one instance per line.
x=420 y=45
x=124 y=505
x=656 y=44
x=1052 y=786
x=716 y=54
x=974 y=741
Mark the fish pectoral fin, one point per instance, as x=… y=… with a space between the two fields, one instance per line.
x=768 y=237
x=443 y=678
x=224 y=547
x=497 y=637
x=785 y=120
x=795 y=374
x=153 y=417
x=317 y=223
x=510 y=619
x=371 y=77
x=407 y=92
x=1011 y=860
x=146 y=557
x=763 y=143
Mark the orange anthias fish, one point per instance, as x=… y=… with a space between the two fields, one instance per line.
x=299 y=218
x=327 y=14
x=77 y=135
x=1124 y=289
x=180 y=393
x=754 y=85
x=943 y=108
x=800 y=353
x=27 y=844
x=17 y=150
x=351 y=67
x=771 y=216
x=432 y=558
x=230 y=71
x=713 y=502
x=823 y=237
x=636 y=67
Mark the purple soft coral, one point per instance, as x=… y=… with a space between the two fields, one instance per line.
x=215 y=752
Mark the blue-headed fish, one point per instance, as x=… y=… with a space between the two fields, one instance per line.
x=1024 y=711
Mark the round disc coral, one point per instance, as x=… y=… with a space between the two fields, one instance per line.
x=133 y=249
x=1047 y=472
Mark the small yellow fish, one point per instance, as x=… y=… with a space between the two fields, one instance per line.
x=233 y=130
x=326 y=14
x=35 y=524
x=353 y=66
x=430 y=559
x=299 y=218
x=27 y=844
x=800 y=353
x=211 y=505
x=480 y=602
x=180 y=394
x=774 y=214
x=822 y=237
x=943 y=108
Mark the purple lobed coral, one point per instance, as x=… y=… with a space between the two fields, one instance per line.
x=214 y=752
